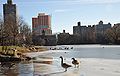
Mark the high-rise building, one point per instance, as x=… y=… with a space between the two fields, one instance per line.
x=86 y=33
x=41 y=24
x=10 y=13
x=10 y=22
x=100 y=30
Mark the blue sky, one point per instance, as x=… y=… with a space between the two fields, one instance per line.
x=66 y=13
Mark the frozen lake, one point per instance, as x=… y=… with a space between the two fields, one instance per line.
x=96 y=60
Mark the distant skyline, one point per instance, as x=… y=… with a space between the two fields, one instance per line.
x=66 y=13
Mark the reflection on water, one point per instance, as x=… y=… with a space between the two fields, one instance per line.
x=43 y=59
x=41 y=64
x=7 y=65
x=26 y=69
x=44 y=62
x=48 y=63
x=17 y=69
x=8 y=69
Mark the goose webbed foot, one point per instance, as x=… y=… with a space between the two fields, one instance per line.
x=75 y=66
x=78 y=66
x=65 y=70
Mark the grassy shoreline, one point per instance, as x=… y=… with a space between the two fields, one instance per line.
x=23 y=50
x=16 y=53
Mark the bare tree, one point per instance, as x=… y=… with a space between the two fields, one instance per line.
x=113 y=34
x=16 y=30
x=26 y=33
x=11 y=29
x=1 y=30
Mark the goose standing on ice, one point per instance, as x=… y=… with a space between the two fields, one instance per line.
x=64 y=65
x=75 y=62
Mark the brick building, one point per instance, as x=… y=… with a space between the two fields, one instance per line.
x=41 y=23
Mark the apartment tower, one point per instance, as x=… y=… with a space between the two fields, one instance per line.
x=41 y=24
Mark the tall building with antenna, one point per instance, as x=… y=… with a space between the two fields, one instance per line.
x=10 y=13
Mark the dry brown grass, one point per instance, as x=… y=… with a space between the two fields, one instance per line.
x=26 y=49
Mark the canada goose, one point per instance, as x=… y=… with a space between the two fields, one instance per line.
x=75 y=62
x=64 y=65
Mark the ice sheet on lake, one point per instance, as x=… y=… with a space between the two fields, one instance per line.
x=88 y=67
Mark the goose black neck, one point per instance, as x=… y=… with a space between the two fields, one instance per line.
x=61 y=60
